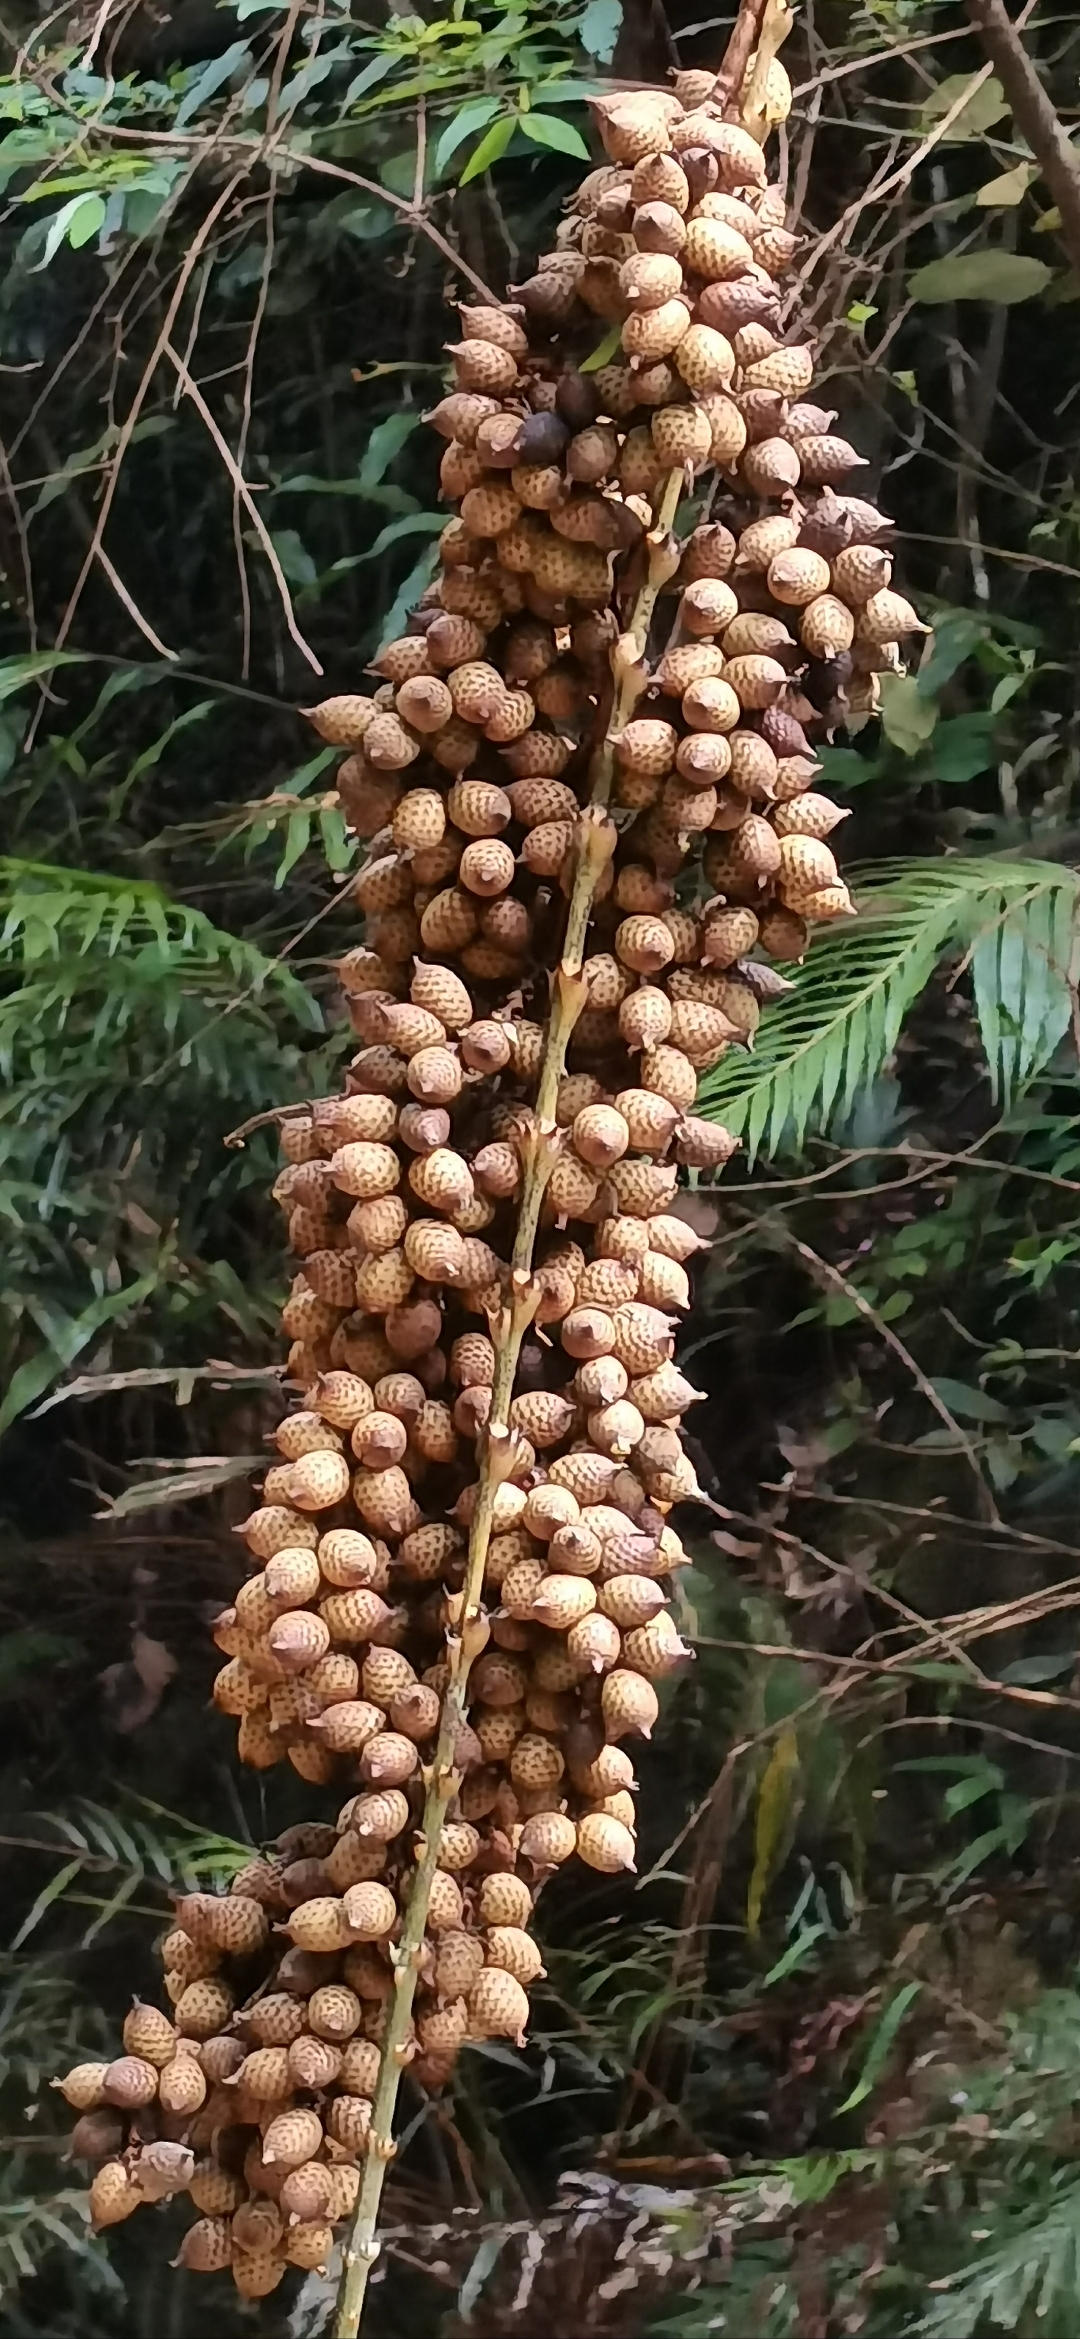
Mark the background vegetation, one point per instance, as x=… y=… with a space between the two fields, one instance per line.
x=816 y=2074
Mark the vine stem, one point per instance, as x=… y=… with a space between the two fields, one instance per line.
x=468 y=1632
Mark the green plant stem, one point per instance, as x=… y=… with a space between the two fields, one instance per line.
x=468 y=1633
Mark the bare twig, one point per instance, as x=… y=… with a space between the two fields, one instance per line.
x=19 y=524
x=247 y=499
x=904 y=172
x=245 y=424
x=127 y=429
x=133 y=610
x=823 y=1271
x=1033 y=113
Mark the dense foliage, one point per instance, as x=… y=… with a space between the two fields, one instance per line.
x=816 y=2075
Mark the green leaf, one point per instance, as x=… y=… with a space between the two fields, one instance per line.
x=369 y=77
x=77 y=220
x=296 y=561
x=599 y=28
x=794 y=1955
x=603 y=353
x=823 y=1044
x=205 y=84
x=1002 y=193
x=408 y=594
x=957 y=632
x=385 y=444
x=469 y=118
x=963 y=747
x=771 y=1822
x=33 y=1378
x=985 y=106
x=16 y=673
x=1023 y=966
x=1033 y=1670
x=907 y=718
x=878 y=2050
x=970 y=1404
x=410 y=524
x=490 y=149
x=964 y=1793
x=1001 y=277
x=53 y=1891
x=551 y=130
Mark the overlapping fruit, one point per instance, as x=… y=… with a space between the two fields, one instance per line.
x=521 y=692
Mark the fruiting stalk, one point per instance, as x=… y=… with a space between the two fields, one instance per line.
x=467 y=1636
x=708 y=737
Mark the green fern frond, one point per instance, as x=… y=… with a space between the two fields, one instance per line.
x=820 y=1047
x=139 y=1850
x=32 y=2225
x=1036 y=2271
x=72 y=935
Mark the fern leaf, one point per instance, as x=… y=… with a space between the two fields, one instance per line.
x=821 y=1046
x=1036 y=2267
x=1022 y=966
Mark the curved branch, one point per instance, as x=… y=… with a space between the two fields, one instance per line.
x=1034 y=115
x=737 y=55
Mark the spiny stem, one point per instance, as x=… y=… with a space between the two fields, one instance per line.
x=467 y=1636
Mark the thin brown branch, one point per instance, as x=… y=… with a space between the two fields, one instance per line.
x=245 y=424
x=840 y=231
x=823 y=1270
x=247 y=499
x=737 y=55
x=127 y=430
x=1033 y=113
x=132 y=607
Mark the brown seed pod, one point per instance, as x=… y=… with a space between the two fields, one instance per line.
x=708 y=606
x=827 y=627
x=887 y=617
x=771 y=466
x=713 y=704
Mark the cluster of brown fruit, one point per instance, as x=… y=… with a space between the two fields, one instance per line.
x=254 y=2096
x=477 y=1180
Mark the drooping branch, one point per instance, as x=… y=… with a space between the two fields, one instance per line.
x=1034 y=114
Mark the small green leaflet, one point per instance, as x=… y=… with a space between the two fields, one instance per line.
x=489 y=150
x=795 y=1954
x=1009 y=189
x=604 y=352
x=878 y=2050
x=206 y=84
x=970 y=1404
x=985 y=106
x=907 y=718
x=372 y=73
x=53 y=1891
x=78 y=220
x=469 y=118
x=551 y=130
